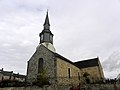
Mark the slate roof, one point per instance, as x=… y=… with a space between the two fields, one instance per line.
x=7 y=73
x=10 y=73
x=81 y=64
x=87 y=63
x=63 y=58
x=19 y=75
x=47 y=19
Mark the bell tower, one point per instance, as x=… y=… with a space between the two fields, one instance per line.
x=46 y=36
x=44 y=57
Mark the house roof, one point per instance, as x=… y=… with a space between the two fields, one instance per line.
x=10 y=73
x=19 y=75
x=81 y=64
x=7 y=73
x=87 y=63
x=63 y=58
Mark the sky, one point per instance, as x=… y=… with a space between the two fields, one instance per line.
x=83 y=29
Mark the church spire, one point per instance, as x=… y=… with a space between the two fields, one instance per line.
x=47 y=20
x=46 y=35
x=47 y=23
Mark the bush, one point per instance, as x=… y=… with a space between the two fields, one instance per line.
x=42 y=78
x=11 y=83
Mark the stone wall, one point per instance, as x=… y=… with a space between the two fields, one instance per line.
x=67 y=87
x=103 y=87
x=63 y=76
x=94 y=73
x=48 y=63
x=29 y=88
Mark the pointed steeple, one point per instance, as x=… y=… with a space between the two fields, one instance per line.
x=46 y=35
x=47 y=20
x=46 y=23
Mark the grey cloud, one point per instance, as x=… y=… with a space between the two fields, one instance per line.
x=112 y=63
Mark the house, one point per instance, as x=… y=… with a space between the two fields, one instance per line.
x=57 y=69
x=19 y=77
x=5 y=75
x=9 y=75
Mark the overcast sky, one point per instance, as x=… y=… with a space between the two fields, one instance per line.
x=82 y=29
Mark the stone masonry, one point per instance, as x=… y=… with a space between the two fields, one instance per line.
x=48 y=64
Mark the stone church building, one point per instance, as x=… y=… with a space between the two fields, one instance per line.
x=58 y=69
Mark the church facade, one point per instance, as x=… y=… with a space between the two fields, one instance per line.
x=58 y=69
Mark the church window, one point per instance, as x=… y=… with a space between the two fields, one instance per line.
x=78 y=75
x=46 y=37
x=40 y=64
x=68 y=72
x=51 y=38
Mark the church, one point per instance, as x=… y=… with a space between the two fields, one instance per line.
x=46 y=62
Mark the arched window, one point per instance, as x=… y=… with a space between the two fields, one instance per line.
x=78 y=75
x=40 y=64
